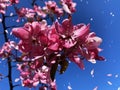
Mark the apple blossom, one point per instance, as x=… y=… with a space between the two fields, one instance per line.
x=43 y=47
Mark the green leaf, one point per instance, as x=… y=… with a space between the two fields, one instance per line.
x=53 y=71
x=64 y=65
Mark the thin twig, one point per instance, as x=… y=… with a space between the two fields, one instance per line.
x=14 y=26
x=17 y=85
x=33 y=2
x=10 y=16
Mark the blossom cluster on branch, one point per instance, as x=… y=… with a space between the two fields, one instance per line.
x=45 y=49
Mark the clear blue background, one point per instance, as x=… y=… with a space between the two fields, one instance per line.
x=104 y=18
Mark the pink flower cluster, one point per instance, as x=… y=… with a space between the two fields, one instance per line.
x=51 y=8
x=25 y=12
x=7 y=48
x=68 y=6
x=14 y=1
x=44 y=47
x=33 y=74
x=43 y=44
x=5 y=3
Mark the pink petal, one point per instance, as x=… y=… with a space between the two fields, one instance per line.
x=21 y=33
x=65 y=7
x=53 y=85
x=35 y=83
x=78 y=61
x=54 y=46
x=36 y=27
x=59 y=27
x=92 y=60
x=25 y=47
x=52 y=35
x=81 y=32
x=95 y=88
x=93 y=42
x=67 y=25
x=69 y=43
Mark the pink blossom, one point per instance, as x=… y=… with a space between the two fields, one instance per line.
x=7 y=48
x=27 y=83
x=25 y=12
x=93 y=41
x=70 y=34
x=39 y=11
x=78 y=61
x=21 y=12
x=51 y=7
x=77 y=39
x=90 y=48
x=24 y=74
x=68 y=6
x=31 y=77
x=53 y=85
x=14 y=1
x=31 y=36
x=53 y=37
x=3 y=5
x=42 y=46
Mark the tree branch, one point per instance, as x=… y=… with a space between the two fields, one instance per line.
x=9 y=59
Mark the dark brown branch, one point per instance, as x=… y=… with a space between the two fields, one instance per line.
x=9 y=59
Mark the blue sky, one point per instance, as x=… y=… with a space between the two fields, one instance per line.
x=104 y=18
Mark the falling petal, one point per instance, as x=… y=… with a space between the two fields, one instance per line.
x=0 y=20
x=91 y=19
x=92 y=72
x=96 y=88
x=110 y=83
x=116 y=76
x=17 y=79
x=112 y=14
x=92 y=61
x=69 y=87
x=11 y=14
x=6 y=31
x=109 y=75
x=118 y=88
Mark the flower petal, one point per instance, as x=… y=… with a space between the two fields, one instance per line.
x=68 y=43
x=65 y=7
x=79 y=62
x=21 y=33
x=54 y=46
x=82 y=32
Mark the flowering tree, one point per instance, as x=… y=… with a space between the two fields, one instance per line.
x=42 y=49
